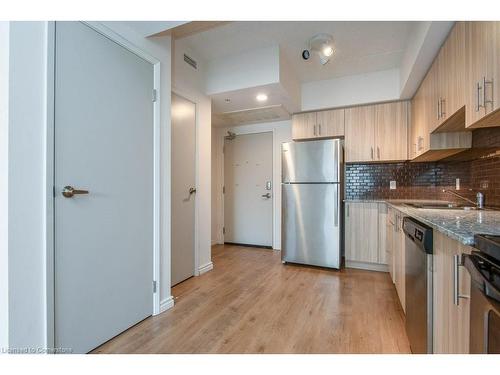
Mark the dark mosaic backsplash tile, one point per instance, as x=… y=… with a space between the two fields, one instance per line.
x=425 y=180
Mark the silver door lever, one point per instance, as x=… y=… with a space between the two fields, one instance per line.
x=268 y=195
x=192 y=191
x=69 y=192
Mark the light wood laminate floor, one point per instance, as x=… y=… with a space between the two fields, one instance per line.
x=251 y=303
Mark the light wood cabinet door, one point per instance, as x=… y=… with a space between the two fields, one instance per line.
x=391 y=131
x=482 y=52
x=451 y=322
x=452 y=75
x=431 y=103
x=382 y=233
x=360 y=134
x=417 y=119
x=389 y=240
x=331 y=123
x=399 y=259
x=361 y=232
x=304 y=126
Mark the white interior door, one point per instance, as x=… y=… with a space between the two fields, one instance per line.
x=183 y=188
x=103 y=144
x=248 y=203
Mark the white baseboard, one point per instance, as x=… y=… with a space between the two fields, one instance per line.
x=205 y=268
x=166 y=304
x=367 y=266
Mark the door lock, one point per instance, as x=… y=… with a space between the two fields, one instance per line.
x=69 y=192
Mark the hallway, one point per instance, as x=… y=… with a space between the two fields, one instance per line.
x=251 y=303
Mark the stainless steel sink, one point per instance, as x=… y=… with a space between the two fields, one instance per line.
x=440 y=206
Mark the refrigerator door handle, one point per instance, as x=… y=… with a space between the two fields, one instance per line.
x=336 y=208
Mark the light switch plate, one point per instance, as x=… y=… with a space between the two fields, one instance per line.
x=457 y=184
x=392 y=185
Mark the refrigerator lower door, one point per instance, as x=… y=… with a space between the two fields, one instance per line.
x=311 y=224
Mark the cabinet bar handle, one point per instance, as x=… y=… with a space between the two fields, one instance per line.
x=314 y=130
x=485 y=82
x=478 y=89
x=319 y=127
x=378 y=152
x=457 y=262
x=372 y=152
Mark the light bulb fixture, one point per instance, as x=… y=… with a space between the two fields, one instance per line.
x=327 y=51
x=322 y=45
x=261 y=97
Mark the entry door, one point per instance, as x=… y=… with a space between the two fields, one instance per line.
x=248 y=203
x=103 y=144
x=183 y=187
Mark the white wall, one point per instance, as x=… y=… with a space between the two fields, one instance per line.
x=4 y=192
x=27 y=183
x=249 y=69
x=189 y=83
x=351 y=90
x=282 y=132
x=27 y=215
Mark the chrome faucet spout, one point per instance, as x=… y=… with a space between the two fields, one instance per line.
x=478 y=204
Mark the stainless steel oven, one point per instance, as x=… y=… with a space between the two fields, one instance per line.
x=484 y=269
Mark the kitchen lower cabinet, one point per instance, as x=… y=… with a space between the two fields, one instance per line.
x=389 y=240
x=365 y=246
x=450 y=299
x=398 y=246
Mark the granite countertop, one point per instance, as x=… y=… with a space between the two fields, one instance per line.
x=460 y=225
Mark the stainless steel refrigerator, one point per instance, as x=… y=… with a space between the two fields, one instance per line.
x=312 y=189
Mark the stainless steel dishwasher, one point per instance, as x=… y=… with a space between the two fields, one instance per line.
x=418 y=290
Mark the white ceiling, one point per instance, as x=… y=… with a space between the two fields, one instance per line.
x=361 y=46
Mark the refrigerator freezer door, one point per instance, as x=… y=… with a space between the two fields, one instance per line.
x=313 y=161
x=311 y=224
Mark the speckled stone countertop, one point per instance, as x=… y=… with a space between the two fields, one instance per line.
x=460 y=225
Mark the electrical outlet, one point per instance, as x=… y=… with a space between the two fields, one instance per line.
x=392 y=185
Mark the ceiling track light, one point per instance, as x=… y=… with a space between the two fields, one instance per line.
x=321 y=45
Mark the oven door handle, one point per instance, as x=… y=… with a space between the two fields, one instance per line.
x=472 y=263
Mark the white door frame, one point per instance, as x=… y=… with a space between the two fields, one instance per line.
x=223 y=180
x=49 y=188
x=191 y=98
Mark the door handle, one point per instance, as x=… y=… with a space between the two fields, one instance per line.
x=192 y=191
x=69 y=191
x=267 y=195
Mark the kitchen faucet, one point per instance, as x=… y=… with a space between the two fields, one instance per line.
x=479 y=198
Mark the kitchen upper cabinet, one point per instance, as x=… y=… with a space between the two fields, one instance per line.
x=304 y=125
x=331 y=123
x=391 y=131
x=451 y=314
x=360 y=134
x=361 y=233
x=377 y=133
x=483 y=74
x=313 y=125
x=451 y=80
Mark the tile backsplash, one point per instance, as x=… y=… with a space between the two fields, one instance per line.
x=425 y=180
